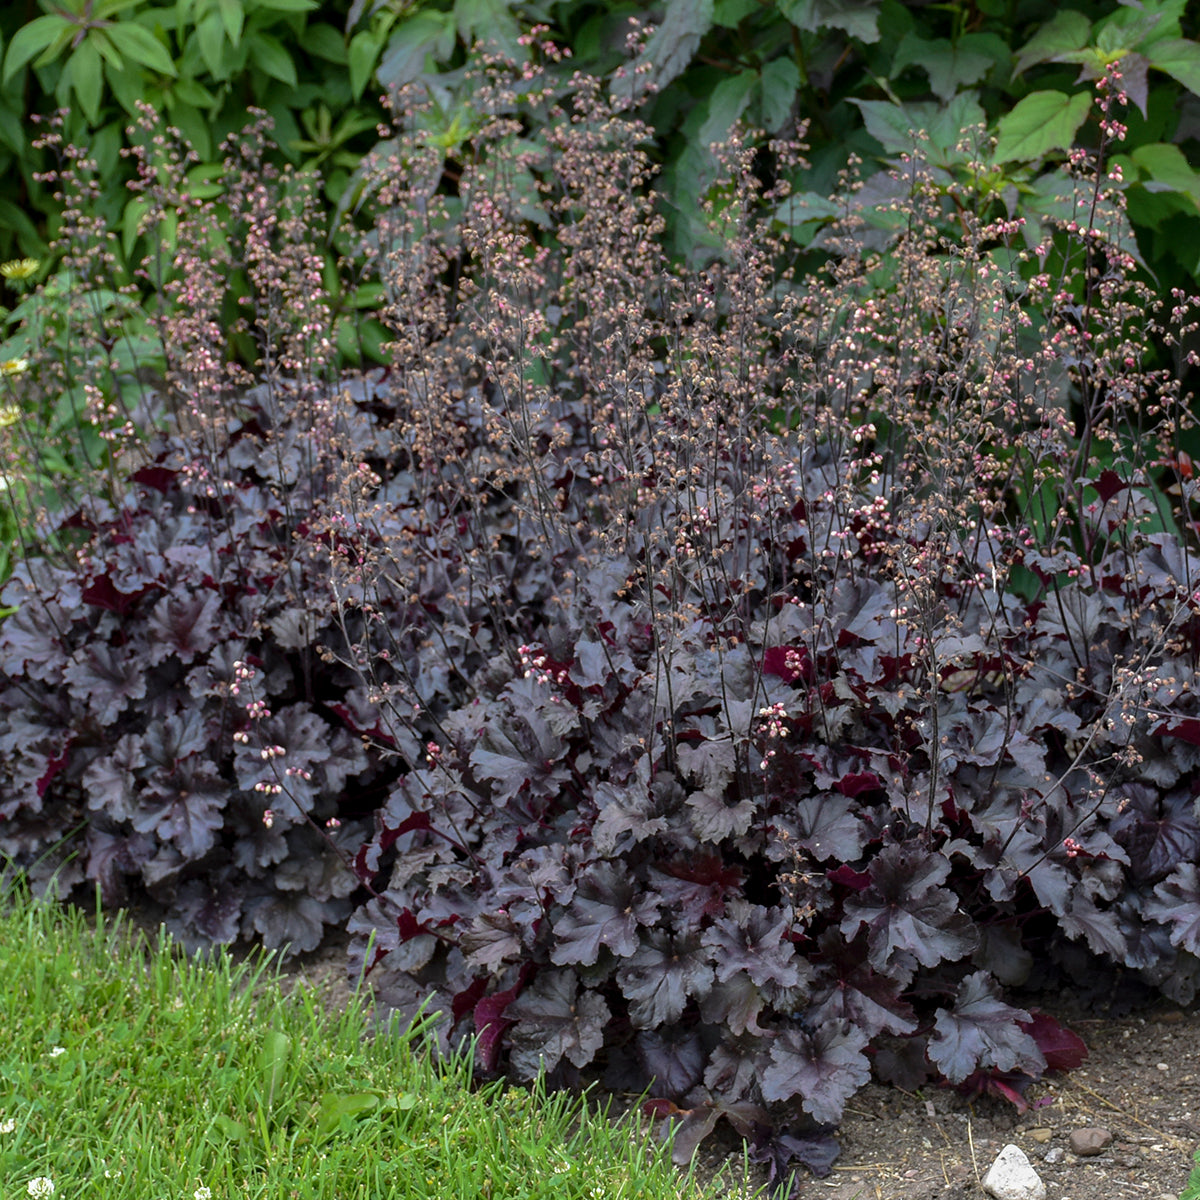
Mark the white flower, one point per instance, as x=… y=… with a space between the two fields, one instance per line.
x=57 y=1050
x=40 y=1188
x=202 y=1193
x=8 y=1125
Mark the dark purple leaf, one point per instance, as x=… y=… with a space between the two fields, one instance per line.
x=1177 y=903
x=662 y=974
x=751 y=939
x=828 y=827
x=608 y=908
x=906 y=913
x=553 y=1021
x=1158 y=831
x=823 y=1068
x=981 y=1031
x=673 y=1059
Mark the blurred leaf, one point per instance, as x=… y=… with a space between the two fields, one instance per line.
x=1180 y=59
x=726 y=104
x=141 y=46
x=362 y=55
x=32 y=39
x=1041 y=123
x=676 y=40
x=273 y=1060
x=780 y=82
x=1066 y=31
x=269 y=53
x=1168 y=170
x=858 y=18
x=84 y=73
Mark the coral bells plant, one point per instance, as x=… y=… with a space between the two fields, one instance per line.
x=738 y=680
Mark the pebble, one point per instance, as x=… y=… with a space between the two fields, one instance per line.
x=1055 y=1155
x=1087 y=1143
x=1040 y=1135
x=1012 y=1177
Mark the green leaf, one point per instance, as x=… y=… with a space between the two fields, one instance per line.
x=284 y=5
x=32 y=39
x=671 y=46
x=727 y=102
x=949 y=65
x=1041 y=123
x=233 y=19
x=190 y=91
x=858 y=18
x=323 y=41
x=491 y=22
x=729 y=14
x=780 y=82
x=362 y=56
x=1178 y=57
x=268 y=52
x=1065 y=32
x=210 y=36
x=135 y=210
x=273 y=1060
x=84 y=74
x=1168 y=170
x=233 y=1130
x=889 y=124
x=334 y=1106
x=421 y=34
x=140 y=45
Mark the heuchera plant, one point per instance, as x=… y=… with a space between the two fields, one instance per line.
x=738 y=682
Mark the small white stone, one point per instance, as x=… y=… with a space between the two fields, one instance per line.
x=1012 y=1177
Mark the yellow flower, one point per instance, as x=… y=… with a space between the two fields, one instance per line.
x=9 y=415
x=20 y=268
x=14 y=366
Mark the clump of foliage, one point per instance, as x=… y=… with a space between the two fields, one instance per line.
x=730 y=679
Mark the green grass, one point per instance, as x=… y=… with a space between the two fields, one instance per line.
x=130 y=1072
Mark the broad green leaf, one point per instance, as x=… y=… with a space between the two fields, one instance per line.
x=32 y=39
x=269 y=53
x=490 y=22
x=949 y=65
x=1124 y=31
x=1040 y=124
x=780 y=82
x=140 y=45
x=1065 y=32
x=362 y=56
x=85 y=73
x=891 y=125
x=729 y=14
x=233 y=18
x=1168 y=170
x=727 y=102
x=858 y=18
x=415 y=37
x=1179 y=58
x=671 y=46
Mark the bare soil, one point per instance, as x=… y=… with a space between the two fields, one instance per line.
x=1141 y=1082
